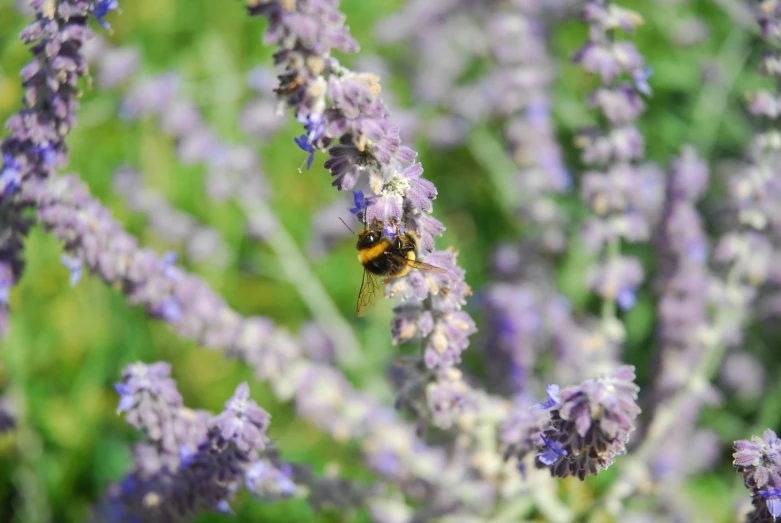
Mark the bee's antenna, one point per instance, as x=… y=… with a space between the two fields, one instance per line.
x=345 y=224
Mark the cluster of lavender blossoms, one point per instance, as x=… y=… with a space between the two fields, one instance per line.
x=759 y=460
x=36 y=145
x=520 y=304
x=189 y=461
x=343 y=114
x=589 y=425
x=685 y=279
x=750 y=249
x=623 y=196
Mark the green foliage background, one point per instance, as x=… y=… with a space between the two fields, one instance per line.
x=68 y=345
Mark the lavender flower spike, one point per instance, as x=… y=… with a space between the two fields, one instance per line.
x=759 y=460
x=590 y=425
x=36 y=146
x=151 y=404
x=212 y=468
x=620 y=212
x=343 y=114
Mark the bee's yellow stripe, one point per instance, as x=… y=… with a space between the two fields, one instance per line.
x=405 y=268
x=403 y=272
x=367 y=255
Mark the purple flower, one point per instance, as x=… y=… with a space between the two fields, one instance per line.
x=6 y=282
x=447 y=398
x=552 y=453
x=315 y=126
x=204 y=469
x=243 y=422
x=759 y=460
x=224 y=507
x=360 y=201
x=170 y=310
x=640 y=78
x=269 y=482
x=148 y=394
x=627 y=298
x=621 y=105
x=74 y=266
x=617 y=279
x=625 y=198
x=46 y=153
x=521 y=428
x=306 y=146
x=690 y=175
x=517 y=328
x=603 y=17
x=553 y=398
x=127 y=398
x=683 y=306
x=612 y=60
x=386 y=209
x=10 y=176
x=390 y=231
x=773 y=497
x=102 y=8
x=591 y=425
x=36 y=141
x=168 y=264
x=518 y=36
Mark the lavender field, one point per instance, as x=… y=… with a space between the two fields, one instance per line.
x=402 y=261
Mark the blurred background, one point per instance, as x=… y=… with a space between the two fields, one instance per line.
x=68 y=344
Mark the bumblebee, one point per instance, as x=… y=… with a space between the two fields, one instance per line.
x=385 y=256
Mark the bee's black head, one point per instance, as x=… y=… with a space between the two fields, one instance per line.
x=368 y=238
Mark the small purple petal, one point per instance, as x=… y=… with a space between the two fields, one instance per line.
x=224 y=507
x=553 y=398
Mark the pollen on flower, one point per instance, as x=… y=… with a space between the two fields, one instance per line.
x=371 y=80
x=409 y=331
x=361 y=142
x=432 y=286
x=317 y=89
x=316 y=65
x=152 y=499
x=439 y=341
x=618 y=13
x=397 y=185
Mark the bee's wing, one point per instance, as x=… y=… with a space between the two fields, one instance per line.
x=419 y=265
x=367 y=297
